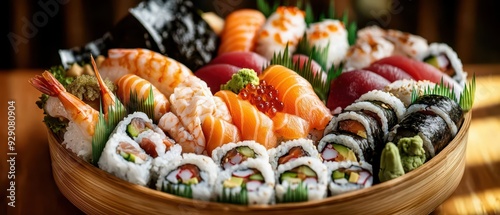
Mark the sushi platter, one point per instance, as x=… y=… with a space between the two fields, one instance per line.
x=268 y=110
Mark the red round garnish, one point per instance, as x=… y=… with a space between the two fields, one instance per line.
x=262 y=96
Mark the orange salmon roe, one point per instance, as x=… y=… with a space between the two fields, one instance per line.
x=262 y=96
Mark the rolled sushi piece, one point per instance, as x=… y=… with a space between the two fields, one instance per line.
x=337 y=147
x=384 y=114
x=386 y=101
x=149 y=136
x=232 y=154
x=290 y=150
x=285 y=26
x=357 y=123
x=430 y=127
x=191 y=176
x=332 y=35
x=449 y=110
x=303 y=179
x=444 y=58
x=348 y=176
x=123 y=158
x=249 y=183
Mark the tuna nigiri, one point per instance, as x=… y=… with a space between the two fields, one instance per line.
x=298 y=96
x=218 y=132
x=253 y=124
x=240 y=30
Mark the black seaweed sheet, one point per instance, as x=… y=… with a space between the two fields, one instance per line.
x=170 y=27
x=450 y=107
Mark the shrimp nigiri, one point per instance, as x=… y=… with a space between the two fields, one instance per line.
x=253 y=124
x=81 y=115
x=133 y=83
x=240 y=30
x=298 y=96
x=163 y=72
x=285 y=26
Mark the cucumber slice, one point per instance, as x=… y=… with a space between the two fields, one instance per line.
x=307 y=171
x=256 y=177
x=338 y=175
x=246 y=151
x=132 y=130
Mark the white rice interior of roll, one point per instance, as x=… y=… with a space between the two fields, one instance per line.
x=428 y=147
x=315 y=191
x=264 y=193
x=154 y=137
x=219 y=152
x=436 y=49
x=363 y=105
x=164 y=160
x=342 y=185
x=208 y=174
x=78 y=142
x=378 y=95
x=114 y=163
x=402 y=89
x=282 y=149
x=420 y=107
x=344 y=140
x=350 y=115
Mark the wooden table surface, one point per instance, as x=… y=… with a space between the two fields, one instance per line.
x=36 y=192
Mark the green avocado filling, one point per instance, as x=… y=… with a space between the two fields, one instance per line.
x=241 y=79
x=346 y=153
x=246 y=151
x=395 y=161
x=298 y=174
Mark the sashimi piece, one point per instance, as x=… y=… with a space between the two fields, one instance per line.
x=240 y=30
x=216 y=75
x=250 y=60
x=298 y=96
x=389 y=72
x=349 y=86
x=288 y=126
x=218 y=132
x=253 y=124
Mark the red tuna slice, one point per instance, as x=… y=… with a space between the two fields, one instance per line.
x=250 y=60
x=417 y=69
x=216 y=75
x=349 y=86
x=315 y=67
x=389 y=72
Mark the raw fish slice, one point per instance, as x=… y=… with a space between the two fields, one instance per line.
x=216 y=75
x=349 y=86
x=298 y=96
x=253 y=124
x=289 y=127
x=240 y=30
x=250 y=60
x=389 y=72
x=219 y=132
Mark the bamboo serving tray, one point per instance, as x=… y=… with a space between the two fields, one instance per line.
x=94 y=191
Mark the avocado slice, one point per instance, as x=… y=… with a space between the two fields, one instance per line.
x=338 y=175
x=233 y=182
x=256 y=177
x=287 y=175
x=246 y=151
x=307 y=171
x=433 y=60
x=354 y=177
x=191 y=181
x=347 y=153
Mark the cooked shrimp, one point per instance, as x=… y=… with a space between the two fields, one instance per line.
x=132 y=83
x=108 y=99
x=77 y=111
x=163 y=72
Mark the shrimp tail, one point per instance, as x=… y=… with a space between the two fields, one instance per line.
x=107 y=97
x=47 y=84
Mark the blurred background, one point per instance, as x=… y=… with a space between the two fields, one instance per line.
x=32 y=31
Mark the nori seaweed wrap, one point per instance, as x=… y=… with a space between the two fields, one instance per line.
x=170 y=27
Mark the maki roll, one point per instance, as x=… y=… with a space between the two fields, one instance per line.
x=291 y=150
x=331 y=35
x=348 y=176
x=232 y=154
x=337 y=147
x=442 y=106
x=248 y=183
x=386 y=101
x=171 y=27
x=190 y=176
x=303 y=179
x=123 y=158
x=442 y=56
x=384 y=114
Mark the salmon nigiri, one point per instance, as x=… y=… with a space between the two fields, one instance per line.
x=253 y=124
x=298 y=96
x=240 y=30
x=218 y=132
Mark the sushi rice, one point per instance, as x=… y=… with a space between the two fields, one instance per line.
x=283 y=149
x=218 y=153
x=343 y=185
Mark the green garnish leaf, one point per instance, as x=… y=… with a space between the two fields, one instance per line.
x=352 y=33
x=145 y=105
x=56 y=125
x=100 y=137
x=309 y=18
x=181 y=190
x=266 y=9
x=240 y=198
x=299 y=194
x=467 y=96
x=60 y=74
